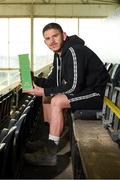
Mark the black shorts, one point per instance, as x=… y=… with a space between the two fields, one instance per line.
x=86 y=100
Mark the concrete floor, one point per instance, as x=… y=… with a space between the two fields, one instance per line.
x=67 y=172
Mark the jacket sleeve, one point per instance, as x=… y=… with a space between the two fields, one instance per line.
x=50 y=80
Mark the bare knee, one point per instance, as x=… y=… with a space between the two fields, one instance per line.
x=56 y=102
x=60 y=101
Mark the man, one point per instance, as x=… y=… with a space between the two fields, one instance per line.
x=77 y=81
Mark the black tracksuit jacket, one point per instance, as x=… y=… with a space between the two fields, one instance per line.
x=77 y=70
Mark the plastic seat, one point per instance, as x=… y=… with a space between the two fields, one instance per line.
x=115 y=78
x=31 y=102
x=110 y=120
x=5 y=106
x=7 y=153
x=87 y=114
x=12 y=123
x=1 y=109
x=2 y=149
x=3 y=133
x=108 y=66
x=17 y=114
x=114 y=119
x=14 y=138
x=31 y=115
x=8 y=105
x=21 y=109
x=26 y=110
x=19 y=141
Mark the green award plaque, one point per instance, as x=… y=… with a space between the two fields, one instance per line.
x=25 y=72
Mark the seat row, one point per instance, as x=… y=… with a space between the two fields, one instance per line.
x=5 y=107
x=8 y=104
x=111 y=107
x=12 y=140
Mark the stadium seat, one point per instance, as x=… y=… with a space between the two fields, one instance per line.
x=2 y=149
x=115 y=79
x=7 y=154
x=18 y=144
x=108 y=66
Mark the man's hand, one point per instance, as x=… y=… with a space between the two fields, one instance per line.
x=36 y=91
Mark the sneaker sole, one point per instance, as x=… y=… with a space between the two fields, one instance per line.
x=50 y=162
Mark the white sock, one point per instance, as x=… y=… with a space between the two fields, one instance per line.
x=54 y=138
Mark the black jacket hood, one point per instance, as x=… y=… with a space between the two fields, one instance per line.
x=71 y=41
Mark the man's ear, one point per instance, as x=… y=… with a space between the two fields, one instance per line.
x=64 y=36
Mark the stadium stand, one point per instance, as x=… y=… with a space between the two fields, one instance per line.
x=93 y=142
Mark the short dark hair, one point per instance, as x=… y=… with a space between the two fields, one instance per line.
x=52 y=26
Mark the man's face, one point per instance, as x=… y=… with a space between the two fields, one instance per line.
x=54 y=39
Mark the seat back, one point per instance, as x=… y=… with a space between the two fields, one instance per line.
x=7 y=164
x=114 y=118
x=19 y=143
x=2 y=149
x=87 y=114
x=5 y=106
x=108 y=66
x=110 y=91
x=0 y=110
x=3 y=133
x=12 y=123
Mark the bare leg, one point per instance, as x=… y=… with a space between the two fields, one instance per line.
x=58 y=104
x=53 y=113
x=47 y=109
x=47 y=112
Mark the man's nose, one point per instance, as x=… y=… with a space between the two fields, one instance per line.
x=52 y=39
